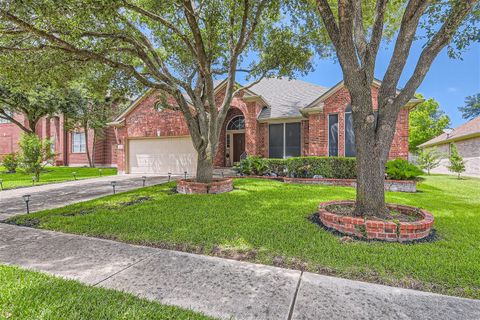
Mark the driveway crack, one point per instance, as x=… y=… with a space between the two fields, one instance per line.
x=294 y=300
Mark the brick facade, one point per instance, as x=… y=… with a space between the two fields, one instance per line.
x=144 y=121
x=53 y=128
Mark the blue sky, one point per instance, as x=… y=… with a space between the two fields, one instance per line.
x=449 y=81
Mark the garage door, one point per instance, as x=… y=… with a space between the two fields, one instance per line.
x=162 y=155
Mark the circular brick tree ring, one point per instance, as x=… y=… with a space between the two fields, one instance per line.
x=378 y=229
x=190 y=186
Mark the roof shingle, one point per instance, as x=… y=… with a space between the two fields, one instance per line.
x=469 y=128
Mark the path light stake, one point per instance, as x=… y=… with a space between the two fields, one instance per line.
x=144 y=178
x=222 y=174
x=26 y=198
x=114 y=183
x=169 y=176
x=74 y=175
x=33 y=181
x=185 y=174
x=1 y=184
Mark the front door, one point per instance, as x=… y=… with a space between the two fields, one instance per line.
x=238 y=146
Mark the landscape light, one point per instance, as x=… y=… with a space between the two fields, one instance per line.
x=74 y=175
x=144 y=178
x=169 y=176
x=100 y=171
x=114 y=183
x=33 y=180
x=26 y=198
x=1 y=184
x=185 y=173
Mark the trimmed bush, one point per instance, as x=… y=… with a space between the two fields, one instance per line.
x=277 y=166
x=327 y=167
x=300 y=167
x=253 y=165
x=10 y=162
x=400 y=169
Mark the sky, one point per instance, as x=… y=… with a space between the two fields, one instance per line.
x=448 y=81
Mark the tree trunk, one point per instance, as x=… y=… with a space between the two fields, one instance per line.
x=371 y=161
x=92 y=165
x=370 y=199
x=85 y=129
x=204 y=167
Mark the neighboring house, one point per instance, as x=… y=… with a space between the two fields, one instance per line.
x=276 y=118
x=69 y=146
x=467 y=140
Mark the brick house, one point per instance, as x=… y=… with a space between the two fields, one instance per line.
x=466 y=138
x=275 y=118
x=69 y=146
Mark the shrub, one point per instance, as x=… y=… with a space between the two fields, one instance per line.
x=428 y=160
x=401 y=169
x=35 y=154
x=10 y=162
x=457 y=164
x=253 y=165
x=277 y=166
x=327 y=167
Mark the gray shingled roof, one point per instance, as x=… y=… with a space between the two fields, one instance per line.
x=286 y=97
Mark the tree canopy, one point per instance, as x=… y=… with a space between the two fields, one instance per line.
x=179 y=47
x=426 y=122
x=471 y=109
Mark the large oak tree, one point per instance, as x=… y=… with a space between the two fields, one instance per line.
x=355 y=30
x=179 y=47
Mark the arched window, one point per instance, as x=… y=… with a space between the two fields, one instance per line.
x=237 y=123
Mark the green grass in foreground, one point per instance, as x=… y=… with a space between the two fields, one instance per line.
x=50 y=175
x=266 y=221
x=32 y=295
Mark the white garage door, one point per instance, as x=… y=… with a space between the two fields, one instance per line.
x=162 y=155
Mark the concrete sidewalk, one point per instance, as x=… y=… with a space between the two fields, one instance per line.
x=57 y=195
x=219 y=287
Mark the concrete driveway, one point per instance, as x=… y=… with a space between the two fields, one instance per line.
x=61 y=194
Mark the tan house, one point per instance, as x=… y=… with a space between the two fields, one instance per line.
x=467 y=140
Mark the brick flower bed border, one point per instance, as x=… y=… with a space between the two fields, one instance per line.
x=189 y=186
x=377 y=229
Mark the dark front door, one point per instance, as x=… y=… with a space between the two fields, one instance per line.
x=238 y=146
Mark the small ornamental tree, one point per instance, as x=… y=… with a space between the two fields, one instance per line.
x=457 y=164
x=428 y=159
x=35 y=154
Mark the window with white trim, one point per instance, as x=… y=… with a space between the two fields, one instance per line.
x=78 y=142
x=284 y=140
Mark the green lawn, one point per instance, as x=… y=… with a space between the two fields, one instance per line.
x=32 y=295
x=50 y=175
x=266 y=221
